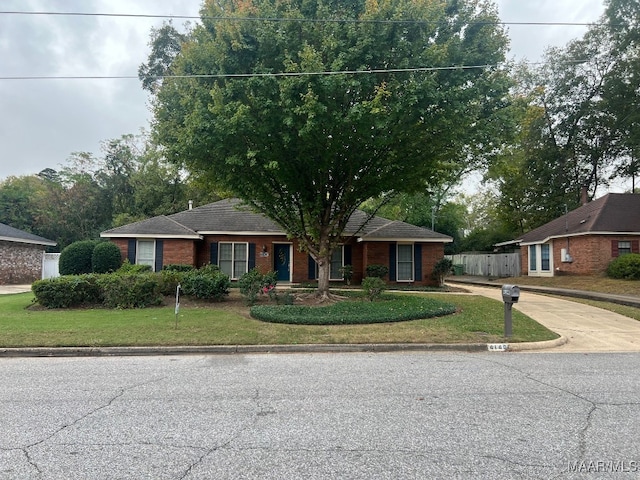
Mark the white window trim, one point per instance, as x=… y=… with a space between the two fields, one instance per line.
x=538 y=272
x=233 y=254
x=413 y=259
x=153 y=255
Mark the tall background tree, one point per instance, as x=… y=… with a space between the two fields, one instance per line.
x=265 y=113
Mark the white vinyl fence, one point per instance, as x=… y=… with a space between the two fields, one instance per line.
x=497 y=265
x=50 y=265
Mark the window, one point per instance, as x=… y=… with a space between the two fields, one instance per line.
x=233 y=259
x=337 y=262
x=533 y=262
x=146 y=253
x=544 y=257
x=405 y=263
x=624 y=247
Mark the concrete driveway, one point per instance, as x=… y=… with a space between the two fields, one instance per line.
x=586 y=328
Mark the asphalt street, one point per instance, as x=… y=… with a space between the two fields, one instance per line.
x=325 y=416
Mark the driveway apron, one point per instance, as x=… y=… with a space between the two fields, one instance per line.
x=587 y=328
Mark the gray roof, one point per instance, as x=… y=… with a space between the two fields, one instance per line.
x=229 y=216
x=11 y=234
x=613 y=213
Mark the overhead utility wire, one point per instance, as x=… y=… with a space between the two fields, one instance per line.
x=277 y=74
x=284 y=19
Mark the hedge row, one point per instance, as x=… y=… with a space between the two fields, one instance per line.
x=625 y=267
x=393 y=308
x=132 y=286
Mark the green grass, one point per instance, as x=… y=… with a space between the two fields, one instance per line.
x=478 y=320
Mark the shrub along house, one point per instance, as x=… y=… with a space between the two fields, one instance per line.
x=21 y=255
x=585 y=240
x=236 y=239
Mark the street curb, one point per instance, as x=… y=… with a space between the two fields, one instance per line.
x=528 y=346
x=266 y=349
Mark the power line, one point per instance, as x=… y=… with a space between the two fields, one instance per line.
x=297 y=20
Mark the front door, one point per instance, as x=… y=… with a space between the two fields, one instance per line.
x=282 y=262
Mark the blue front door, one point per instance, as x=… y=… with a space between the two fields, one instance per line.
x=281 y=262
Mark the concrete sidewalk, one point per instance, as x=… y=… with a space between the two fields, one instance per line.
x=6 y=289
x=586 y=328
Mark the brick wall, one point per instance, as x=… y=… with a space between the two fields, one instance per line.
x=20 y=263
x=591 y=254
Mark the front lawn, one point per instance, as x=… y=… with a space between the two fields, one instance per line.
x=477 y=320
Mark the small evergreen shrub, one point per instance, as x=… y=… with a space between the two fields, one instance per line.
x=625 y=267
x=133 y=268
x=170 y=279
x=206 y=284
x=106 y=258
x=137 y=290
x=67 y=291
x=75 y=259
x=375 y=270
x=373 y=287
x=441 y=269
x=178 y=268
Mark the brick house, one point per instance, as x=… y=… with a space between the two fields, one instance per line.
x=21 y=256
x=585 y=240
x=236 y=239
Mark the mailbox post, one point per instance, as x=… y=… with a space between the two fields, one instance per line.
x=510 y=295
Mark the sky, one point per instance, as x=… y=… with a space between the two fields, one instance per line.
x=43 y=121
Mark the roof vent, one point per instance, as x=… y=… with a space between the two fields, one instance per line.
x=190 y=204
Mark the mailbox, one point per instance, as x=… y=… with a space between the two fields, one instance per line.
x=510 y=293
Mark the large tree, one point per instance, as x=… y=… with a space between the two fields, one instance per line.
x=306 y=108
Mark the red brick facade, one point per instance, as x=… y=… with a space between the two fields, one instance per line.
x=590 y=254
x=198 y=253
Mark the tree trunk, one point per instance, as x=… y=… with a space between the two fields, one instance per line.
x=324 y=269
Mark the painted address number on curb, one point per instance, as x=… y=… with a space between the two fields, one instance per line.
x=497 y=347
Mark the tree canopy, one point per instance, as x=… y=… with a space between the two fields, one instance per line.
x=257 y=100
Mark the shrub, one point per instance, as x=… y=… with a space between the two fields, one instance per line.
x=75 y=259
x=137 y=290
x=375 y=270
x=394 y=308
x=178 y=268
x=626 y=267
x=373 y=287
x=253 y=283
x=106 y=258
x=67 y=291
x=441 y=269
x=206 y=283
x=132 y=268
x=347 y=273
x=169 y=280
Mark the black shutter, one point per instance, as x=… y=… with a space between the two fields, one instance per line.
x=417 y=262
x=159 y=250
x=213 y=253
x=392 y=262
x=252 y=256
x=635 y=244
x=347 y=255
x=614 y=248
x=312 y=268
x=131 y=251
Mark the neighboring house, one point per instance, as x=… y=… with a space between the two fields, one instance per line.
x=236 y=239
x=585 y=240
x=21 y=255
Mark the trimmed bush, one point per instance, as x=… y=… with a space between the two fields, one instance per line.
x=130 y=290
x=394 y=308
x=625 y=267
x=106 y=258
x=75 y=259
x=133 y=268
x=178 y=268
x=206 y=284
x=253 y=283
x=373 y=287
x=169 y=280
x=67 y=291
x=375 y=270
x=441 y=269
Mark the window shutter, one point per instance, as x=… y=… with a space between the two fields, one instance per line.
x=213 y=253
x=392 y=262
x=252 y=256
x=311 y=268
x=131 y=251
x=159 y=250
x=635 y=247
x=417 y=262
x=614 y=248
x=347 y=255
